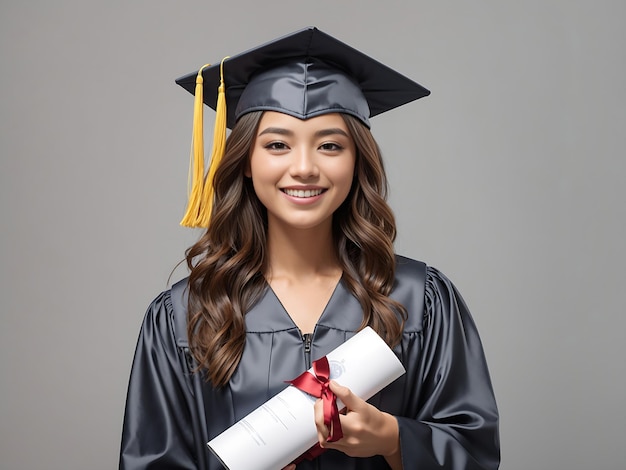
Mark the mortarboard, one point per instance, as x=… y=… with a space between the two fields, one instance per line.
x=304 y=74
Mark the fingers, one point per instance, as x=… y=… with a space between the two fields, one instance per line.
x=349 y=399
x=359 y=413
x=366 y=430
x=346 y=396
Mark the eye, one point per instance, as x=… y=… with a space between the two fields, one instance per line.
x=276 y=146
x=331 y=147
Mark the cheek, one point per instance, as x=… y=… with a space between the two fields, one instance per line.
x=263 y=179
x=254 y=165
x=260 y=191
x=346 y=174
x=254 y=168
x=264 y=169
x=260 y=178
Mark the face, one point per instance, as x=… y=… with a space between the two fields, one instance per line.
x=302 y=170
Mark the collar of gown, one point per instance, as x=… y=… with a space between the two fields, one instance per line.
x=343 y=312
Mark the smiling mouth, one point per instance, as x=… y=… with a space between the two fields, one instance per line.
x=303 y=193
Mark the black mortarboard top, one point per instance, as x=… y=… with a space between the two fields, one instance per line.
x=304 y=74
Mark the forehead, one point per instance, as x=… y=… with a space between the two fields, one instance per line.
x=273 y=119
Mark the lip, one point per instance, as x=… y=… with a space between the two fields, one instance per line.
x=303 y=200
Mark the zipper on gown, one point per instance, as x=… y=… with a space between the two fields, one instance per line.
x=307 y=339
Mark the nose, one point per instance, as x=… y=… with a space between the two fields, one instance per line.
x=304 y=164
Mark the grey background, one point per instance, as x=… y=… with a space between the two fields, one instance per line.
x=509 y=178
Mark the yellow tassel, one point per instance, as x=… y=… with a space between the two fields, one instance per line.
x=195 y=179
x=219 y=147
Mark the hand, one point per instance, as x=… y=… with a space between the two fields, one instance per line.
x=291 y=466
x=367 y=431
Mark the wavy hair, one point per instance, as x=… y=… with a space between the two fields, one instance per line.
x=227 y=264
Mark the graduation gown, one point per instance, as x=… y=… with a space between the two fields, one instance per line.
x=444 y=404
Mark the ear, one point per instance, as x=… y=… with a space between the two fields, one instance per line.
x=247 y=172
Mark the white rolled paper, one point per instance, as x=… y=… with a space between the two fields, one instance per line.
x=283 y=428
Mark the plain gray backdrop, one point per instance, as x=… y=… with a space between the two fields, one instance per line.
x=509 y=178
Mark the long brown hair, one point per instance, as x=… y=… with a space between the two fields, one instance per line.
x=228 y=262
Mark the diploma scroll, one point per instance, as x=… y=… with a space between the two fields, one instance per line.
x=283 y=428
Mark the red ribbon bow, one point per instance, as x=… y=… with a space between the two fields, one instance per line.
x=319 y=387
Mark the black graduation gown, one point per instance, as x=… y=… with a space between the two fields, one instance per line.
x=444 y=403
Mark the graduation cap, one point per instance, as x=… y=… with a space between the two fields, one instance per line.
x=304 y=74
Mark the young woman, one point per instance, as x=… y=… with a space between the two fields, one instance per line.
x=298 y=257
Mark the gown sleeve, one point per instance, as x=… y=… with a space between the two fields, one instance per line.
x=157 y=431
x=455 y=426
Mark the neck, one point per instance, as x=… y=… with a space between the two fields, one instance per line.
x=301 y=253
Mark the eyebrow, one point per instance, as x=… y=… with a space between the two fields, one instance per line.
x=289 y=133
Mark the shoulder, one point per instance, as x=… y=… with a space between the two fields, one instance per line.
x=416 y=274
x=157 y=319
x=441 y=293
x=424 y=291
x=445 y=310
x=409 y=290
x=165 y=319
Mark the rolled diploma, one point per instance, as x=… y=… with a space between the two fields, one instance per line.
x=283 y=428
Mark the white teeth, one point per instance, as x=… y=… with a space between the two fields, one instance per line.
x=303 y=192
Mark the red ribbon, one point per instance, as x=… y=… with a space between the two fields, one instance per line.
x=319 y=387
